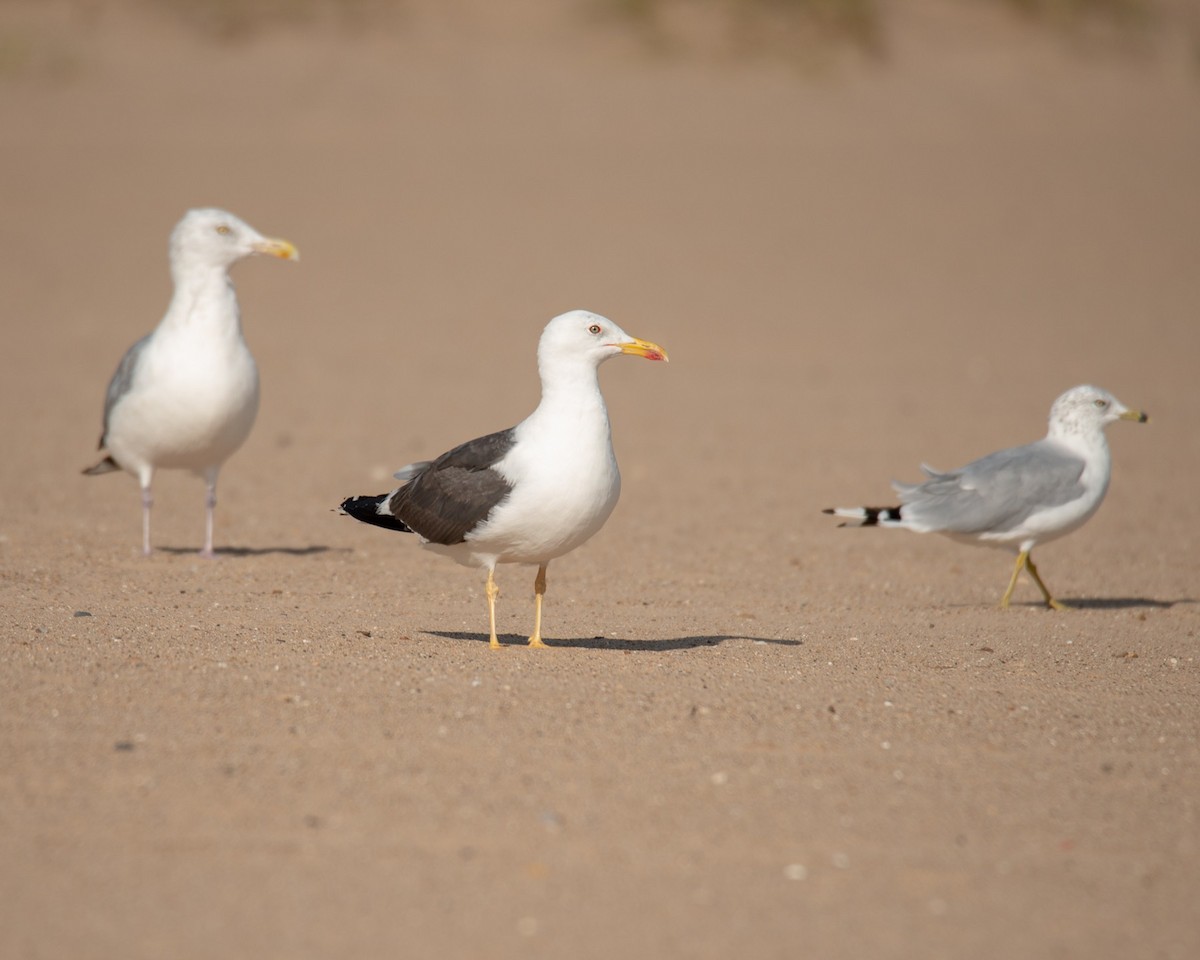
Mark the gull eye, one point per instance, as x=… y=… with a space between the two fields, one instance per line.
x=1100 y=403
x=594 y=329
x=222 y=229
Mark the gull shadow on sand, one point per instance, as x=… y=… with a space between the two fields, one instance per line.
x=256 y=551
x=615 y=643
x=1084 y=603
x=1119 y=603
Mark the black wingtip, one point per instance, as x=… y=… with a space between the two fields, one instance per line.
x=865 y=516
x=366 y=510
x=875 y=514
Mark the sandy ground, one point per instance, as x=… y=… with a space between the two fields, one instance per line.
x=759 y=735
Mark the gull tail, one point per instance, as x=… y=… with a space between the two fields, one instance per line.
x=374 y=510
x=867 y=516
x=107 y=465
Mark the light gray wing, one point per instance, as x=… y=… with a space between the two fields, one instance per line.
x=995 y=493
x=122 y=381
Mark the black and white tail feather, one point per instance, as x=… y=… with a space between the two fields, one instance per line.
x=883 y=516
x=867 y=516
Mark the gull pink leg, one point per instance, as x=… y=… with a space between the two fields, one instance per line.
x=210 y=506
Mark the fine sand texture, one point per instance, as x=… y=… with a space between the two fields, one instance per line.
x=756 y=735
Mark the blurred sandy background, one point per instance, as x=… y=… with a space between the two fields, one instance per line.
x=866 y=241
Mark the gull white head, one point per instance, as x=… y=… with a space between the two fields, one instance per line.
x=588 y=338
x=214 y=238
x=1087 y=410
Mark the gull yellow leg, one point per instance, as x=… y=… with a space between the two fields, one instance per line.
x=493 y=592
x=1026 y=561
x=1050 y=601
x=1012 y=584
x=539 y=591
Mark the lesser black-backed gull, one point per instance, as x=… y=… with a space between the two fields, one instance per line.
x=1019 y=497
x=185 y=396
x=531 y=493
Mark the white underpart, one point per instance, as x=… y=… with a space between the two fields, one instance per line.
x=194 y=394
x=565 y=480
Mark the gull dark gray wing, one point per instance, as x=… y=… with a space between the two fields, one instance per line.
x=996 y=493
x=122 y=381
x=446 y=498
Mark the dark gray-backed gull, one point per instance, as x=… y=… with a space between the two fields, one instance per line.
x=533 y=492
x=185 y=396
x=1018 y=497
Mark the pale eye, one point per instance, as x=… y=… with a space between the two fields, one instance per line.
x=594 y=329
x=1101 y=403
x=222 y=229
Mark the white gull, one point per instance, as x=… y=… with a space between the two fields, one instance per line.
x=185 y=396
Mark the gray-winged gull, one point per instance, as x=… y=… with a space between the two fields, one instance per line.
x=531 y=493
x=185 y=396
x=1019 y=497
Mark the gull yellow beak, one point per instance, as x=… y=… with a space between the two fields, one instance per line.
x=643 y=348
x=1135 y=415
x=277 y=248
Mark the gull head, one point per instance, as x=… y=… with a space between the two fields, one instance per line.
x=217 y=239
x=1087 y=409
x=582 y=336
